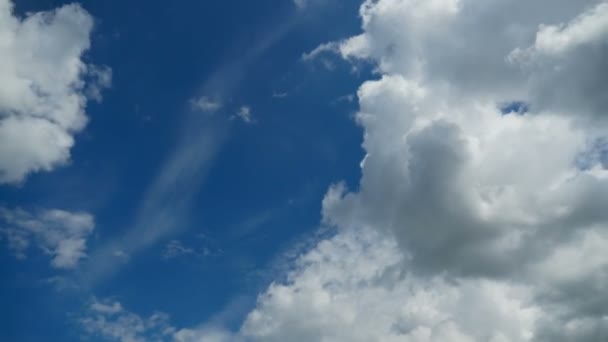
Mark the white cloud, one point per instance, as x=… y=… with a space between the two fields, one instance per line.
x=244 y=114
x=43 y=87
x=109 y=320
x=566 y=64
x=321 y=49
x=102 y=78
x=176 y=248
x=353 y=288
x=60 y=234
x=590 y=27
x=206 y=104
x=205 y=335
x=279 y=95
x=468 y=224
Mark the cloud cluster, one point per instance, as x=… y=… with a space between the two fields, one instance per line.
x=353 y=287
x=110 y=321
x=470 y=223
x=60 y=234
x=43 y=87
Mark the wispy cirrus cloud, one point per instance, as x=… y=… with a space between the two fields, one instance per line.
x=165 y=207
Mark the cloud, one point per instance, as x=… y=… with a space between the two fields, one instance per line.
x=468 y=223
x=279 y=95
x=565 y=63
x=331 y=47
x=300 y=4
x=43 y=88
x=470 y=192
x=110 y=321
x=205 y=334
x=353 y=287
x=176 y=249
x=206 y=104
x=244 y=114
x=60 y=234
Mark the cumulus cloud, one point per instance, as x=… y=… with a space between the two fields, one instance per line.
x=470 y=223
x=58 y=233
x=566 y=62
x=111 y=321
x=206 y=104
x=353 y=287
x=43 y=87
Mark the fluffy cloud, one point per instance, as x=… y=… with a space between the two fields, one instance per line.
x=109 y=320
x=60 y=234
x=205 y=334
x=244 y=113
x=43 y=87
x=206 y=104
x=354 y=287
x=469 y=224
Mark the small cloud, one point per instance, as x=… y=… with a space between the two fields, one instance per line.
x=332 y=47
x=111 y=321
x=350 y=98
x=100 y=79
x=279 y=95
x=206 y=104
x=119 y=254
x=176 y=249
x=244 y=114
x=106 y=308
x=61 y=284
x=58 y=233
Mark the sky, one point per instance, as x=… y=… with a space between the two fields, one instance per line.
x=304 y=170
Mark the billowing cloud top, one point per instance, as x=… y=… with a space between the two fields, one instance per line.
x=42 y=87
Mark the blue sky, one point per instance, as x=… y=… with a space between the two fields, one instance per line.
x=260 y=190
x=304 y=170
